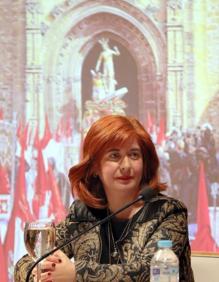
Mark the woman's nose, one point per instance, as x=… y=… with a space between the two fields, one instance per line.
x=125 y=163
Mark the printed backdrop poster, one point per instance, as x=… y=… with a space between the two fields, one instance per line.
x=65 y=63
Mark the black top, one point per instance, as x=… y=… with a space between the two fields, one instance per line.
x=112 y=234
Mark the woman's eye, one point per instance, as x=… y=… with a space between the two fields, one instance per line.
x=114 y=156
x=135 y=155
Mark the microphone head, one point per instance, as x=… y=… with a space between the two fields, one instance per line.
x=147 y=193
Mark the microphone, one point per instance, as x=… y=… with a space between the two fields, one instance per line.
x=146 y=194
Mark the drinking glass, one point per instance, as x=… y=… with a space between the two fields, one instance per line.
x=39 y=238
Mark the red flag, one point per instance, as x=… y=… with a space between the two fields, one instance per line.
x=161 y=132
x=20 y=214
x=47 y=134
x=149 y=123
x=36 y=141
x=21 y=204
x=56 y=206
x=4 y=181
x=203 y=239
x=3 y=269
x=68 y=126
x=22 y=134
x=19 y=129
x=1 y=114
x=41 y=185
x=64 y=128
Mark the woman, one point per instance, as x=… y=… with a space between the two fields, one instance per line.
x=119 y=158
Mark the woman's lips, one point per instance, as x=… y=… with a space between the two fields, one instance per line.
x=125 y=178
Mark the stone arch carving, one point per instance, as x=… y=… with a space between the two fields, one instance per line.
x=127 y=25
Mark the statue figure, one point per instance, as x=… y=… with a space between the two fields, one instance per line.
x=98 y=91
x=106 y=99
x=105 y=63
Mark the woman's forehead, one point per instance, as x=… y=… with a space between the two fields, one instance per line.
x=130 y=143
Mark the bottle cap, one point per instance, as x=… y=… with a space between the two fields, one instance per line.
x=164 y=244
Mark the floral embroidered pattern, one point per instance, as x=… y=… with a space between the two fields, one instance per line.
x=162 y=218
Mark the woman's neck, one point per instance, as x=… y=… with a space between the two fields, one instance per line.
x=119 y=202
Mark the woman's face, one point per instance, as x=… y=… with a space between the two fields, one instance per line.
x=121 y=169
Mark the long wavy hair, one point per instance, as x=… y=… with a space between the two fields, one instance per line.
x=108 y=131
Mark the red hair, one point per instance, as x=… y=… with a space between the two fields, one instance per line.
x=104 y=133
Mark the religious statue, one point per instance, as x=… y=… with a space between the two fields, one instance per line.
x=105 y=65
x=98 y=91
x=106 y=99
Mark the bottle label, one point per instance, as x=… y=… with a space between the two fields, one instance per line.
x=167 y=274
x=156 y=271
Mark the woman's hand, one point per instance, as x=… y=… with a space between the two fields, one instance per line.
x=57 y=268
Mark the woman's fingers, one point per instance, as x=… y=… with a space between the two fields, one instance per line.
x=56 y=257
x=45 y=268
x=46 y=276
x=57 y=267
x=47 y=265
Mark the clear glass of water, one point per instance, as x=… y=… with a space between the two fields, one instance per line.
x=39 y=238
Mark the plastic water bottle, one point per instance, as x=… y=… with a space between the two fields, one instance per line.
x=164 y=264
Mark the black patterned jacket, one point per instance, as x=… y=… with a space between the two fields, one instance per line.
x=162 y=218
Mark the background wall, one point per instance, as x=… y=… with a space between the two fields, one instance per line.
x=205 y=268
x=66 y=63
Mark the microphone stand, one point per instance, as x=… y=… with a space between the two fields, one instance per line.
x=100 y=222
